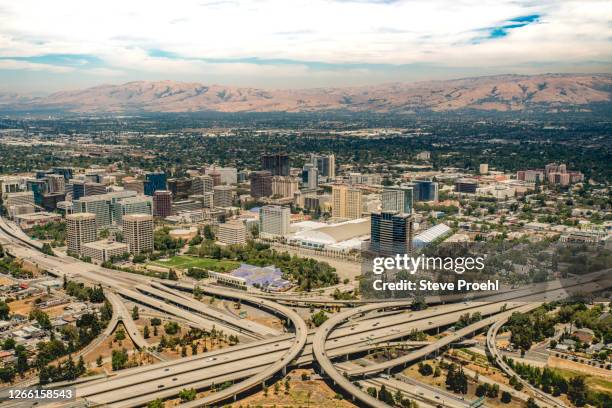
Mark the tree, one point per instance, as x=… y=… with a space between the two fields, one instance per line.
x=81 y=366
x=145 y=332
x=156 y=403
x=135 y=315
x=7 y=374
x=577 y=391
x=531 y=403
x=506 y=398
x=120 y=335
x=155 y=321
x=425 y=369
x=9 y=344
x=4 y=310
x=276 y=388
x=106 y=311
x=187 y=394
x=287 y=385
x=46 y=249
x=318 y=318
x=119 y=359
x=172 y=328
x=41 y=318
x=385 y=396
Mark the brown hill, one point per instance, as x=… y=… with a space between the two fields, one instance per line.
x=496 y=93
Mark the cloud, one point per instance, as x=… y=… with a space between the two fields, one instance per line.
x=11 y=64
x=366 y=37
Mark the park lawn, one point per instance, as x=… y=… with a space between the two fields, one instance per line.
x=185 y=262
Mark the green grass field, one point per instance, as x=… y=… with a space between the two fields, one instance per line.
x=185 y=262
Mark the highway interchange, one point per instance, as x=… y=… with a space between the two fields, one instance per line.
x=265 y=353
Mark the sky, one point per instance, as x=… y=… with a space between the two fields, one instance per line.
x=46 y=46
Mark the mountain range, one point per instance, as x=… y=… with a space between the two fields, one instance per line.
x=549 y=92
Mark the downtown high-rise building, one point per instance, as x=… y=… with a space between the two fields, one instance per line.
x=202 y=184
x=180 y=188
x=277 y=164
x=425 y=190
x=57 y=183
x=162 y=203
x=284 y=186
x=102 y=205
x=274 y=221
x=398 y=199
x=154 y=181
x=261 y=184
x=138 y=232
x=223 y=196
x=346 y=202
x=131 y=205
x=325 y=164
x=391 y=233
x=80 y=229
x=310 y=176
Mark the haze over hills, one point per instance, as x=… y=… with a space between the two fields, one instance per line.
x=492 y=93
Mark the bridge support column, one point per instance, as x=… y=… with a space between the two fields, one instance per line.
x=285 y=370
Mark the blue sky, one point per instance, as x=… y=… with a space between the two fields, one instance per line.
x=67 y=44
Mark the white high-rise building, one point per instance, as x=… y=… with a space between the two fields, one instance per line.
x=274 y=221
x=80 y=229
x=227 y=175
x=223 y=196
x=138 y=232
x=202 y=184
x=232 y=233
x=284 y=186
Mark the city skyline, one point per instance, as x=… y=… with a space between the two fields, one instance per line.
x=272 y=44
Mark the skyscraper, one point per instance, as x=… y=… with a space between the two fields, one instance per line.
x=346 y=202
x=38 y=187
x=180 y=188
x=223 y=196
x=310 y=176
x=425 y=190
x=202 y=184
x=277 y=164
x=284 y=186
x=274 y=221
x=57 y=183
x=162 y=203
x=325 y=164
x=131 y=205
x=397 y=199
x=154 y=181
x=261 y=184
x=138 y=232
x=80 y=229
x=391 y=233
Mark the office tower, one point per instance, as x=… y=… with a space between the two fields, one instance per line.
x=101 y=205
x=223 y=196
x=530 y=176
x=325 y=164
x=391 y=233
x=398 y=199
x=162 y=203
x=130 y=183
x=50 y=200
x=227 y=175
x=104 y=250
x=66 y=172
x=273 y=221
x=57 y=183
x=484 y=168
x=425 y=190
x=186 y=205
x=232 y=233
x=10 y=184
x=216 y=178
x=310 y=176
x=346 y=202
x=180 y=188
x=18 y=198
x=207 y=199
x=466 y=186
x=154 y=181
x=131 y=205
x=261 y=184
x=80 y=229
x=38 y=187
x=138 y=232
x=277 y=164
x=284 y=186
x=202 y=184
x=77 y=188
x=91 y=189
